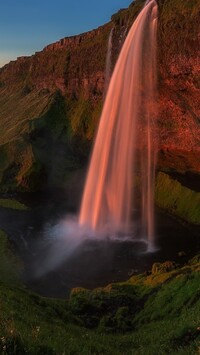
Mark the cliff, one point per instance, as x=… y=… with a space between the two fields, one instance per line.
x=50 y=103
x=179 y=84
x=71 y=65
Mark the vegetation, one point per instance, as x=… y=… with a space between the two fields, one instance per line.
x=177 y=199
x=84 y=117
x=154 y=313
x=10 y=265
x=14 y=204
x=16 y=153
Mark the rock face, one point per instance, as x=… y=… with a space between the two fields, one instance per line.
x=50 y=102
x=72 y=65
x=179 y=84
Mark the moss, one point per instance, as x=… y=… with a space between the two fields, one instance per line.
x=27 y=160
x=160 y=268
x=83 y=117
x=54 y=118
x=195 y=260
x=165 y=317
x=16 y=154
x=80 y=117
x=3 y=158
x=93 y=308
x=177 y=199
x=13 y=204
x=170 y=299
x=10 y=265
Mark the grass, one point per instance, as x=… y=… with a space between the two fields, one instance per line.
x=177 y=199
x=149 y=314
x=9 y=264
x=84 y=117
x=80 y=116
x=16 y=112
x=16 y=155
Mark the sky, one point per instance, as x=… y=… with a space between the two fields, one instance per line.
x=27 y=26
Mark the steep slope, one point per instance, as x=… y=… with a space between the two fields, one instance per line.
x=50 y=102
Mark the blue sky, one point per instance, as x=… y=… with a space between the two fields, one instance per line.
x=27 y=26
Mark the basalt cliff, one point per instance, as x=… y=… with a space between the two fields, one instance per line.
x=50 y=102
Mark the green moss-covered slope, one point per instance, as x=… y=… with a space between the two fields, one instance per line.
x=155 y=314
x=152 y=313
x=177 y=199
x=10 y=265
x=13 y=204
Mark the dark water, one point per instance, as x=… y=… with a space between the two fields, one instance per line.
x=94 y=262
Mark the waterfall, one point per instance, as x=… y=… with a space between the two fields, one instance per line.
x=124 y=147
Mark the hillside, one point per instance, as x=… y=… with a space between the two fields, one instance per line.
x=50 y=103
x=152 y=313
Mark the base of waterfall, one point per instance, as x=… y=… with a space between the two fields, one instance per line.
x=83 y=259
x=64 y=255
x=67 y=239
